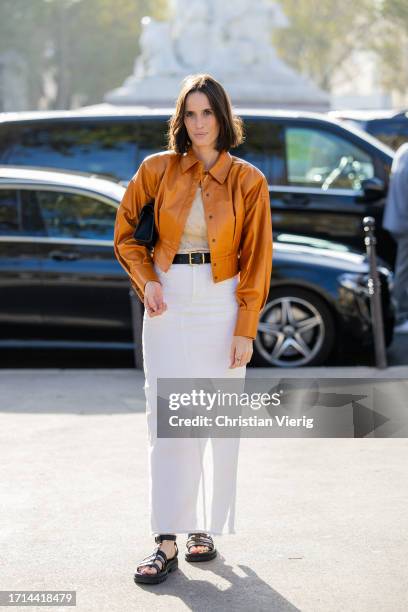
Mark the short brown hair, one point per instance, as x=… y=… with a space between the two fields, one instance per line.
x=231 y=132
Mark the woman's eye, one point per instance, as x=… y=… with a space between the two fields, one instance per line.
x=207 y=112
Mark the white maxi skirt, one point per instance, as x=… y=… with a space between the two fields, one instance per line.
x=190 y=488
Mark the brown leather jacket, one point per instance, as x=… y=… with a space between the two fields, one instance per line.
x=237 y=209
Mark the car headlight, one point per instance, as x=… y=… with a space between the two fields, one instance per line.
x=357 y=283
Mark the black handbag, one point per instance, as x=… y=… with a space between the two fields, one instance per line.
x=145 y=233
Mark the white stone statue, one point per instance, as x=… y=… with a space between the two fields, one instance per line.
x=190 y=32
x=244 y=38
x=157 y=53
x=231 y=40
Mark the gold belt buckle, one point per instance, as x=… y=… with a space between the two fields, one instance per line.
x=191 y=262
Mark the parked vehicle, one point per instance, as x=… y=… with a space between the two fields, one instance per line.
x=323 y=177
x=389 y=126
x=61 y=284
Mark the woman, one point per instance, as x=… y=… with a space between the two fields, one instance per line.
x=203 y=290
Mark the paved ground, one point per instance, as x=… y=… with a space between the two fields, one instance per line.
x=322 y=524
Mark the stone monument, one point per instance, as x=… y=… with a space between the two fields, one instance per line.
x=231 y=41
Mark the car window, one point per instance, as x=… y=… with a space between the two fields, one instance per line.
x=71 y=215
x=10 y=222
x=150 y=137
x=33 y=223
x=16 y=218
x=264 y=148
x=117 y=148
x=108 y=149
x=318 y=158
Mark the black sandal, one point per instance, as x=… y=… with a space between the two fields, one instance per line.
x=169 y=565
x=200 y=539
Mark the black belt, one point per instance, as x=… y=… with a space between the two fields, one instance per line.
x=192 y=258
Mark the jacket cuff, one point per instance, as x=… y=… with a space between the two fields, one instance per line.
x=247 y=323
x=140 y=277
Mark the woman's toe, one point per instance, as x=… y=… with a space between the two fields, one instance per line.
x=199 y=549
x=145 y=569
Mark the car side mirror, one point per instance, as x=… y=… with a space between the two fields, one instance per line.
x=373 y=188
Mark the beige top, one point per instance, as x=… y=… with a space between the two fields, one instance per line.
x=194 y=237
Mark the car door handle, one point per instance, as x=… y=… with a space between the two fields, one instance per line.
x=64 y=255
x=298 y=200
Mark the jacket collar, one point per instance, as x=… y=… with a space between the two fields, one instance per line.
x=219 y=170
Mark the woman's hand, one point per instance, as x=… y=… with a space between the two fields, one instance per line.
x=153 y=299
x=241 y=351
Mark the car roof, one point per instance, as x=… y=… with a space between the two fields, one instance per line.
x=105 y=110
x=111 y=111
x=29 y=175
x=368 y=115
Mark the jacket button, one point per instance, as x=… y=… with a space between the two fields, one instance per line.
x=215 y=276
x=215 y=265
x=213 y=239
x=210 y=216
x=207 y=194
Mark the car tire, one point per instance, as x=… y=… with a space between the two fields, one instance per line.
x=296 y=329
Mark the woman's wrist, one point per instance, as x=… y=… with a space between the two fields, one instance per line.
x=151 y=281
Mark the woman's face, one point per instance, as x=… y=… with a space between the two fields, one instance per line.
x=201 y=123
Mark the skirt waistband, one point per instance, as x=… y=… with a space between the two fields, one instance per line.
x=196 y=257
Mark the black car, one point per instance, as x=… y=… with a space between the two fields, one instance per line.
x=389 y=126
x=61 y=284
x=323 y=177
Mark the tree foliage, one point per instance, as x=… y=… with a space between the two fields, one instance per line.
x=323 y=34
x=396 y=11
x=391 y=46
x=88 y=45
